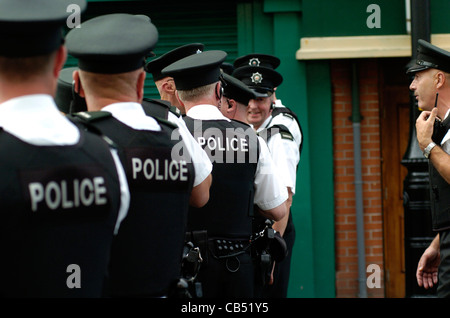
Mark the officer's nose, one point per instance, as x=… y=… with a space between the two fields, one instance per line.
x=413 y=86
x=252 y=104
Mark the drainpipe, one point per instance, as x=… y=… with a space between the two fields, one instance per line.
x=408 y=16
x=356 y=120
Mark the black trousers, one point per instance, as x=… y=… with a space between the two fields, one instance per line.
x=282 y=269
x=443 y=289
x=231 y=277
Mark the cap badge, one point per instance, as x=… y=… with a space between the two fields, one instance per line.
x=256 y=78
x=254 y=62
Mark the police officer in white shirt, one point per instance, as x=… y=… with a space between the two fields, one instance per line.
x=257 y=72
x=64 y=191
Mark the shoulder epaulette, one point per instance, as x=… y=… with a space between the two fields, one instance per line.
x=284 y=132
x=89 y=117
x=166 y=122
x=86 y=120
x=175 y=111
x=290 y=114
x=159 y=112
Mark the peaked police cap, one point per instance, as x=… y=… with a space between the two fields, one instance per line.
x=112 y=43
x=156 y=65
x=237 y=90
x=430 y=56
x=257 y=59
x=34 y=27
x=196 y=70
x=261 y=80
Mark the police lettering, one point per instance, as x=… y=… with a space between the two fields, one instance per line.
x=156 y=169
x=61 y=195
x=233 y=144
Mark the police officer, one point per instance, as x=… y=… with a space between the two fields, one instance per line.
x=168 y=107
x=242 y=175
x=257 y=71
x=431 y=87
x=235 y=99
x=146 y=254
x=165 y=84
x=67 y=100
x=64 y=191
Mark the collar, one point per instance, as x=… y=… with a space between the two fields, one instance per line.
x=206 y=112
x=265 y=123
x=132 y=114
x=278 y=103
x=446 y=114
x=36 y=119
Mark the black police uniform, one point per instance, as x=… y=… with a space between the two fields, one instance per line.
x=430 y=56
x=223 y=227
x=257 y=71
x=61 y=199
x=60 y=209
x=146 y=254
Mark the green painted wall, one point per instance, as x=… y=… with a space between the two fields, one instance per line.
x=275 y=27
x=348 y=17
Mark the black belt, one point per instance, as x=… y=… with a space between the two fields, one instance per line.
x=228 y=247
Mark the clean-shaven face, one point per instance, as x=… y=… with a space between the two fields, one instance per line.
x=258 y=110
x=424 y=88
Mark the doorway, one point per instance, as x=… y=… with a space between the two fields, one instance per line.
x=394 y=121
x=414 y=237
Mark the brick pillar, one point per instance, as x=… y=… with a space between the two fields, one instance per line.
x=345 y=209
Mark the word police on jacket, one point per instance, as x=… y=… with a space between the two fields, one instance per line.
x=67 y=194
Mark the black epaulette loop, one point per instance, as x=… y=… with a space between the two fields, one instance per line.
x=89 y=117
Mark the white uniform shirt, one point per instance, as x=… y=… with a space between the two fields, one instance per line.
x=35 y=119
x=269 y=192
x=133 y=115
x=285 y=152
x=445 y=143
x=289 y=122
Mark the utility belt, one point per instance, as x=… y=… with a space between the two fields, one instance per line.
x=265 y=246
x=204 y=247
x=222 y=247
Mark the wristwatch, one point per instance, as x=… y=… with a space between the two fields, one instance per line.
x=427 y=150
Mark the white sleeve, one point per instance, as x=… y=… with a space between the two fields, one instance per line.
x=269 y=189
x=124 y=191
x=286 y=156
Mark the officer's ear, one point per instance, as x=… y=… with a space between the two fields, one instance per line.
x=440 y=79
x=78 y=88
x=140 y=85
x=178 y=98
x=60 y=60
x=169 y=85
x=232 y=106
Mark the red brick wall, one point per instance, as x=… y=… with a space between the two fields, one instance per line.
x=347 y=284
